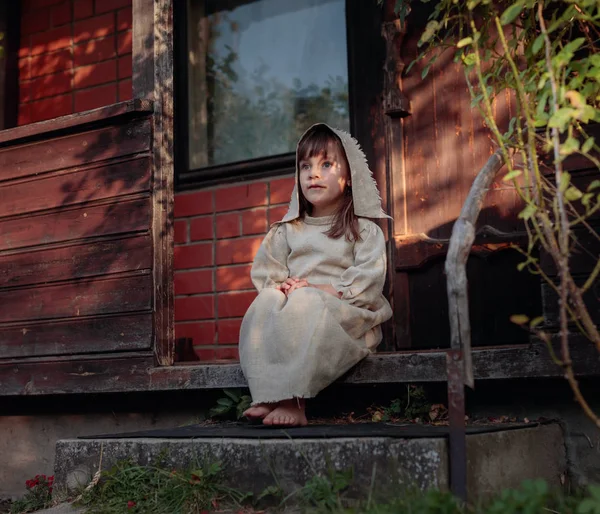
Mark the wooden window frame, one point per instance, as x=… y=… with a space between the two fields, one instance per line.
x=356 y=32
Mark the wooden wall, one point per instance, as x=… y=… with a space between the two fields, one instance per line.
x=76 y=244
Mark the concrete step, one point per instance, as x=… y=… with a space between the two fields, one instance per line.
x=381 y=465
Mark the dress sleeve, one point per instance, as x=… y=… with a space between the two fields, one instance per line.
x=269 y=268
x=362 y=284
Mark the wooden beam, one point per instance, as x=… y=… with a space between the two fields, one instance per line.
x=143 y=49
x=103 y=115
x=118 y=373
x=163 y=190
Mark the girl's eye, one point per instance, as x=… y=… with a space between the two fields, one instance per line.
x=304 y=166
x=327 y=165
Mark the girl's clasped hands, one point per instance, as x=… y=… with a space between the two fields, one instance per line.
x=292 y=283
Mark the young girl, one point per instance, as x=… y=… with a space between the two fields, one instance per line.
x=320 y=273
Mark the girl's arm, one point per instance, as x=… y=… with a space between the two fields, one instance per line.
x=362 y=283
x=269 y=268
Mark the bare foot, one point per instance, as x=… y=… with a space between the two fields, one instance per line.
x=259 y=411
x=289 y=413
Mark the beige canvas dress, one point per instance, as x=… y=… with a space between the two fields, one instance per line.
x=295 y=346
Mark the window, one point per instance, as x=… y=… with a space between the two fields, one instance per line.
x=259 y=73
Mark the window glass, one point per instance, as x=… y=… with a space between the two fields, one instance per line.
x=261 y=72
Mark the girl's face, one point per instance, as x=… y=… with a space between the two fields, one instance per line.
x=323 y=179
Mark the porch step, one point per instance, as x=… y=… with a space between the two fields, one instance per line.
x=393 y=457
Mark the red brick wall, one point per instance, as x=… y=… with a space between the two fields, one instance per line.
x=217 y=233
x=75 y=55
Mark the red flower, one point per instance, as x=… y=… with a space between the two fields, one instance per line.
x=130 y=504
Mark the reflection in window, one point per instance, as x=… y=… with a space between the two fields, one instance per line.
x=260 y=73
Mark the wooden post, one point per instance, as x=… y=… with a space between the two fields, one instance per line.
x=153 y=79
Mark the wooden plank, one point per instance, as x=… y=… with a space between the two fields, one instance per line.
x=84 y=185
x=591 y=299
x=75 y=261
x=135 y=373
x=64 y=123
x=86 y=376
x=73 y=337
x=75 y=150
x=125 y=293
x=143 y=49
x=76 y=223
x=163 y=191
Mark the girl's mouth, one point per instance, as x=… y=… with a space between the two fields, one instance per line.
x=315 y=187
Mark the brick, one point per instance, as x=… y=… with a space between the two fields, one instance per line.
x=234 y=278
x=94 y=51
x=276 y=213
x=229 y=354
x=25 y=47
x=125 y=90
x=234 y=305
x=51 y=85
x=241 y=197
x=194 y=282
x=89 y=99
x=237 y=251
x=254 y=222
x=30 y=5
x=24 y=92
x=33 y=22
x=24 y=114
x=201 y=228
x=192 y=204
x=96 y=27
x=124 y=42
x=205 y=354
x=180 y=231
x=51 y=40
x=124 y=66
x=281 y=190
x=110 y=5
x=45 y=64
x=194 y=307
x=124 y=19
x=83 y=9
x=61 y=14
x=193 y=256
x=95 y=74
x=24 y=69
x=51 y=108
x=228 y=331
x=228 y=225
x=202 y=333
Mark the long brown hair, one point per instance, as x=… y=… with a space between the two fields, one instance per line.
x=318 y=141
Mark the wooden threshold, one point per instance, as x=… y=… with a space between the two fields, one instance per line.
x=71 y=121
x=137 y=373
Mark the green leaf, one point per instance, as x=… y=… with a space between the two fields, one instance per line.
x=573 y=194
x=469 y=59
x=571 y=145
x=561 y=118
x=594 y=185
x=225 y=402
x=512 y=175
x=536 y=321
x=430 y=30
x=464 y=42
x=425 y=71
x=565 y=180
x=587 y=146
x=509 y=15
x=519 y=319
x=574 y=45
x=586 y=198
x=528 y=212
x=537 y=44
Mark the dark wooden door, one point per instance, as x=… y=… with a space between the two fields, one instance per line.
x=435 y=153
